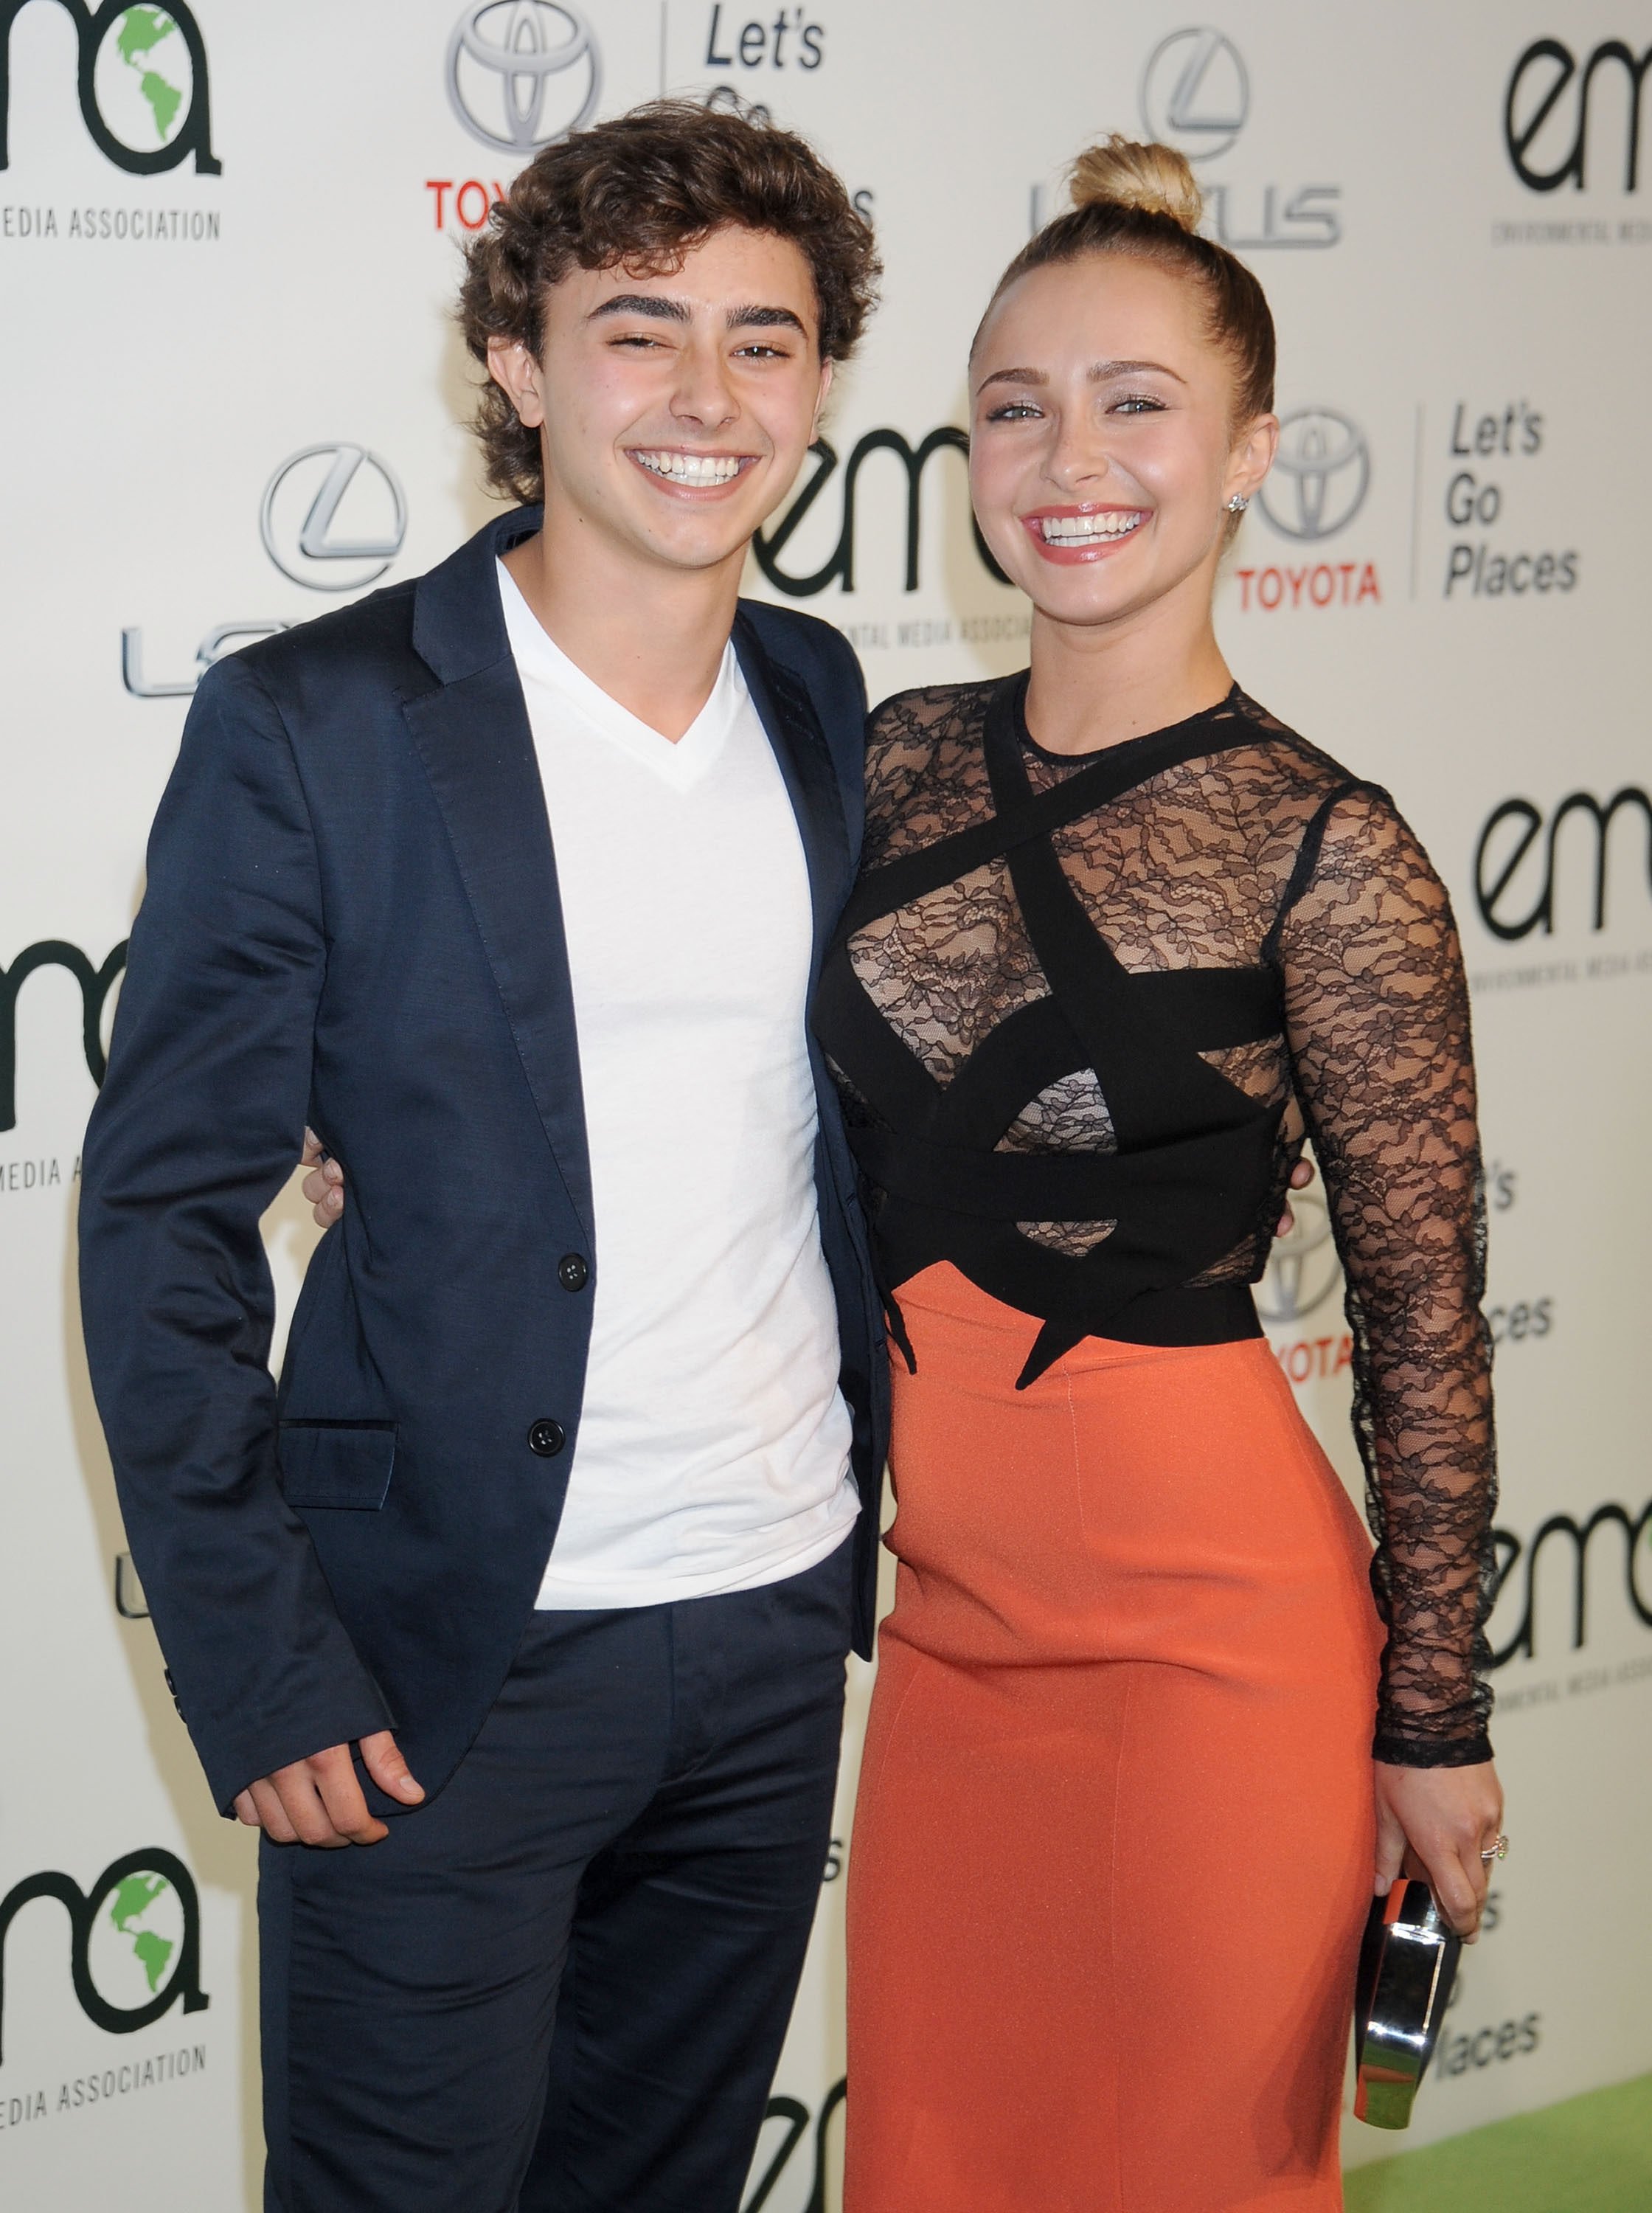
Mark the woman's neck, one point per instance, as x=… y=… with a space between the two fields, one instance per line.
x=1097 y=684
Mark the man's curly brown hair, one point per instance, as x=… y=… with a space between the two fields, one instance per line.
x=640 y=192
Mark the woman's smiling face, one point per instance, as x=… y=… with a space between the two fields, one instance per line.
x=1103 y=449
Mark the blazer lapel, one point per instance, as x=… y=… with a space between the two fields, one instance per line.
x=788 y=715
x=472 y=734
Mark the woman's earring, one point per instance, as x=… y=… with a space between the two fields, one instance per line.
x=1238 y=503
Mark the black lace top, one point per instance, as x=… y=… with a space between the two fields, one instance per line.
x=1083 y=1012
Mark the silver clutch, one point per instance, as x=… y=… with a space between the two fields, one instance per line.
x=1407 y=1964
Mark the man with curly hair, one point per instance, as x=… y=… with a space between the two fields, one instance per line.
x=538 y=1572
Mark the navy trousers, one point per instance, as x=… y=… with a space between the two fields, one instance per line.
x=562 y=1987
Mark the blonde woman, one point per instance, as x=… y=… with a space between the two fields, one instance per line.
x=1120 y=940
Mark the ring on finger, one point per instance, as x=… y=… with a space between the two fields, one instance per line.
x=1498 y=1851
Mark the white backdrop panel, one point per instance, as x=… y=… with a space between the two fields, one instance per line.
x=238 y=253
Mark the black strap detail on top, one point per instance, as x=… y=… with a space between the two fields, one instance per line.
x=1027 y=815
x=1194 y=1154
x=1307 y=857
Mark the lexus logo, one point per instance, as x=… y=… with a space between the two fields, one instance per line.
x=1303 y=1270
x=1195 y=95
x=1321 y=474
x=303 y=533
x=522 y=72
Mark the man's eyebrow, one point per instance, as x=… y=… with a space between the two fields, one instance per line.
x=655 y=304
x=765 y=319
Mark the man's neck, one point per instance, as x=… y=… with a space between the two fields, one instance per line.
x=652 y=637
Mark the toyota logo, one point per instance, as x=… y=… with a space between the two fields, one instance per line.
x=1195 y=95
x=1303 y=1270
x=299 y=537
x=502 y=59
x=1321 y=474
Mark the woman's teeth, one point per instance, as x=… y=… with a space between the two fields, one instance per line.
x=1088 y=529
x=693 y=468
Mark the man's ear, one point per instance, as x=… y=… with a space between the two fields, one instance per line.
x=514 y=370
x=827 y=369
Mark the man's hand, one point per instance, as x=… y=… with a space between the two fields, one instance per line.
x=1437 y=1821
x=1300 y=1176
x=318 y=1801
x=323 y=1186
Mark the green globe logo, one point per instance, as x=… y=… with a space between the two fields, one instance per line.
x=135 y=1938
x=144 y=78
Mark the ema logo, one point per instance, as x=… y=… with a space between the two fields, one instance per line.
x=1539 y=124
x=300 y=507
x=1321 y=474
x=134 y=1938
x=95 y=985
x=1511 y=1552
x=1500 y=877
x=839 y=565
x=142 y=80
x=1196 y=96
x=522 y=73
x=796 y=2118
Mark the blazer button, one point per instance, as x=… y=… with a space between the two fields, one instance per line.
x=548 y=1439
x=572 y=1273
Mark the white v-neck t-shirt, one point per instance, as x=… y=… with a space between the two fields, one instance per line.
x=713 y=1445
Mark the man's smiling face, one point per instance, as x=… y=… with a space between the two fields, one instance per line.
x=675 y=410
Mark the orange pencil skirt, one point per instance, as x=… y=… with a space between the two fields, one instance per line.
x=1113 y=1851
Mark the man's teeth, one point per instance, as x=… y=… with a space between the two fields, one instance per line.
x=693 y=468
x=1088 y=529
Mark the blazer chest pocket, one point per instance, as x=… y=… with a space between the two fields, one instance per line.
x=345 y=1464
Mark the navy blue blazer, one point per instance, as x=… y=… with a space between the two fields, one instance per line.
x=352 y=919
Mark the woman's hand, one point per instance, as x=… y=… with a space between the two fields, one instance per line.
x=1437 y=1821
x=323 y=1186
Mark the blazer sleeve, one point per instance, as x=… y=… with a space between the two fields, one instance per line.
x=197 y=1128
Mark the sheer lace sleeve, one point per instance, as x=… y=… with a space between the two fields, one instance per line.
x=1377 y=1006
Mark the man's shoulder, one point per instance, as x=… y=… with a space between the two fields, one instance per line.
x=818 y=654
x=347 y=651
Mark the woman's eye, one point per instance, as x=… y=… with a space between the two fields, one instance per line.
x=1138 y=403
x=1013 y=410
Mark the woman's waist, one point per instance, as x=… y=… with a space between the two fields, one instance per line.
x=1150 y=1486
x=983 y=1325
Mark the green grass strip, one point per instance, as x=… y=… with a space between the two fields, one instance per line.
x=1591 y=2154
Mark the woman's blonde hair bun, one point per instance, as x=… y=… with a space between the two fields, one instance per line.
x=1125 y=173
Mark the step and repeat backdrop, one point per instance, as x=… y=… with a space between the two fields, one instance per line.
x=229 y=242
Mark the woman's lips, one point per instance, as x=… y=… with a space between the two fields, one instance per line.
x=1070 y=535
